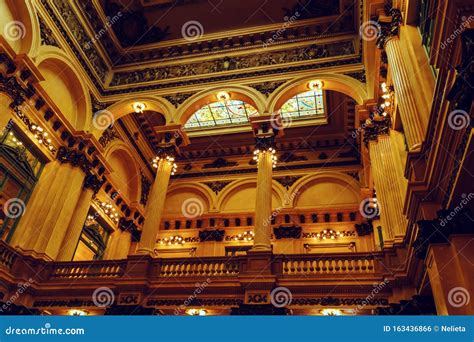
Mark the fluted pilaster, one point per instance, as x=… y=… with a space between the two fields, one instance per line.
x=388 y=181
x=405 y=93
x=263 y=205
x=154 y=208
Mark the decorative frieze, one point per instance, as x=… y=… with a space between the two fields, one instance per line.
x=211 y=235
x=287 y=232
x=287 y=181
x=47 y=37
x=219 y=163
x=418 y=305
x=365 y=228
x=266 y=88
x=217 y=186
x=178 y=98
x=110 y=134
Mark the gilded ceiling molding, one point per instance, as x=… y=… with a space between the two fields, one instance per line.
x=47 y=37
x=295 y=33
x=74 y=25
x=262 y=60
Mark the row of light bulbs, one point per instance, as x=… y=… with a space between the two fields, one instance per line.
x=329 y=234
x=110 y=211
x=172 y=240
x=169 y=160
x=387 y=98
x=41 y=136
x=248 y=235
x=271 y=150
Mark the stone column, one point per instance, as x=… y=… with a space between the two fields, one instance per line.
x=52 y=205
x=154 y=208
x=388 y=180
x=123 y=245
x=266 y=128
x=91 y=185
x=172 y=136
x=112 y=243
x=44 y=186
x=263 y=205
x=448 y=266
x=404 y=84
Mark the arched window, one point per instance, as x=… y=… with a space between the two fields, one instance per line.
x=230 y=112
x=309 y=103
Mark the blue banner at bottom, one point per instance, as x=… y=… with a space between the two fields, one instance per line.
x=237 y=328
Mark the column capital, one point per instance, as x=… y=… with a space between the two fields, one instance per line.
x=376 y=128
x=74 y=157
x=172 y=135
x=93 y=182
x=266 y=128
x=389 y=25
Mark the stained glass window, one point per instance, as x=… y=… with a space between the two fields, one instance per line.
x=221 y=114
x=303 y=105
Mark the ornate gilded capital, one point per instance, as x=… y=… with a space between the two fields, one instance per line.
x=376 y=128
x=74 y=157
x=93 y=182
x=389 y=25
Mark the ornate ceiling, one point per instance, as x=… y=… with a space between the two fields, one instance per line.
x=178 y=46
x=175 y=49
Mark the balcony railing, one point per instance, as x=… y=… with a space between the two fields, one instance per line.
x=328 y=264
x=199 y=267
x=93 y=269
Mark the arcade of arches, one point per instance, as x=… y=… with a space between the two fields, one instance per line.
x=301 y=158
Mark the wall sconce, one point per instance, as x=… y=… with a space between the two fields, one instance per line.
x=223 y=96
x=196 y=312
x=138 y=107
x=77 y=312
x=331 y=312
x=316 y=85
x=172 y=240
